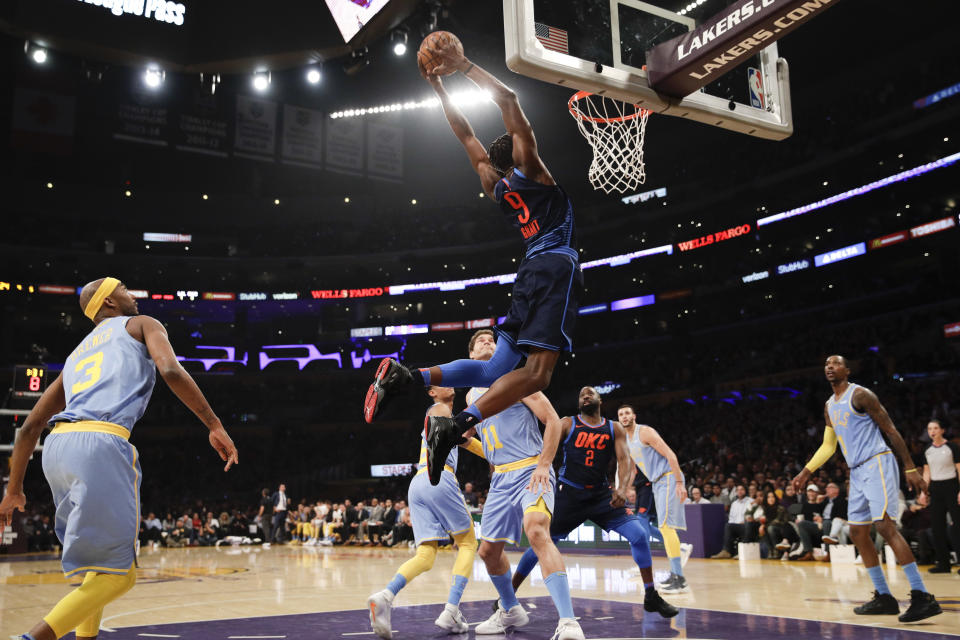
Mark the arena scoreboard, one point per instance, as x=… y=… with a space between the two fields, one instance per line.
x=29 y=380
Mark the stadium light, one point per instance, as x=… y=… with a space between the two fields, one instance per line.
x=399 y=40
x=313 y=75
x=35 y=52
x=261 y=81
x=153 y=78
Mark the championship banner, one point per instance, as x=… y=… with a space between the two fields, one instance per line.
x=681 y=66
x=256 y=129
x=203 y=125
x=43 y=121
x=384 y=151
x=345 y=145
x=302 y=136
x=142 y=117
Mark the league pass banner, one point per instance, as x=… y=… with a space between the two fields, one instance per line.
x=384 y=151
x=345 y=145
x=256 y=128
x=302 y=136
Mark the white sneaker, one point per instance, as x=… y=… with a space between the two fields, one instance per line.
x=452 y=620
x=686 y=550
x=501 y=620
x=568 y=629
x=379 y=605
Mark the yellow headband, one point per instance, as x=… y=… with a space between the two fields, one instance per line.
x=105 y=289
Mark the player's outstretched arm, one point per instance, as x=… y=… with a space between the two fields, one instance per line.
x=180 y=382
x=625 y=466
x=650 y=437
x=50 y=403
x=479 y=159
x=525 y=153
x=867 y=401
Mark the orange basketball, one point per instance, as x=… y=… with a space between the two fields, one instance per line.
x=429 y=56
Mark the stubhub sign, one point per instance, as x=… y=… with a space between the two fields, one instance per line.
x=790 y=267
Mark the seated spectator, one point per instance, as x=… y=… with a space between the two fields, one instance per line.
x=696 y=497
x=808 y=524
x=717 y=496
x=738 y=528
x=370 y=527
x=389 y=520
x=789 y=496
x=42 y=537
x=151 y=530
x=917 y=530
x=774 y=529
x=209 y=531
x=177 y=536
x=834 y=526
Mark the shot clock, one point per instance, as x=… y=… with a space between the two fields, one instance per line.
x=29 y=380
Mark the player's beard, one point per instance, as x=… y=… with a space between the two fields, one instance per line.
x=590 y=409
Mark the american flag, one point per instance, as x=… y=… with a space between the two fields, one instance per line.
x=551 y=37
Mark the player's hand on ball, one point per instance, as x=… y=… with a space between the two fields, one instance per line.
x=618 y=499
x=223 y=445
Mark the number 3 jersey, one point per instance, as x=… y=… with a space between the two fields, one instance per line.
x=511 y=435
x=109 y=377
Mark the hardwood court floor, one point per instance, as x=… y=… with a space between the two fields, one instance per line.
x=312 y=592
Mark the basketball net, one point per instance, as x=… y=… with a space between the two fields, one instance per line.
x=615 y=131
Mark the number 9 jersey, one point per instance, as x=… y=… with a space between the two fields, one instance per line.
x=109 y=377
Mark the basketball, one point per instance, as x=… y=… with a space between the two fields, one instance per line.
x=430 y=54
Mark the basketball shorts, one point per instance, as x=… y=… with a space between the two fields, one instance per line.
x=545 y=301
x=575 y=506
x=507 y=501
x=95 y=481
x=874 y=489
x=437 y=512
x=670 y=509
x=646 y=506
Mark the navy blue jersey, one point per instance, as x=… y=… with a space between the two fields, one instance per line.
x=543 y=213
x=587 y=452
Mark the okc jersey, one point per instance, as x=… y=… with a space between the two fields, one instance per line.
x=859 y=436
x=509 y=436
x=647 y=458
x=452 y=458
x=109 y=377
x=587 y=452
x=543 y=213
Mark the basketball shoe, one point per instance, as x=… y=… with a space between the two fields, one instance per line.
x=882 y=604
x=452 y=620
x=379 y=605
x=443 y=434
x=501 y=620
x=390 y=377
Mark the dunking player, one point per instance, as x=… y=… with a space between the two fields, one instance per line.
x=855 y=419
x=437 y=512
x=521 y=493
x=659 y=463
x=92 y=469
x=549 y=282
x=590 y=442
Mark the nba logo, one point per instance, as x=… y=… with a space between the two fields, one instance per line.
x=755 y=83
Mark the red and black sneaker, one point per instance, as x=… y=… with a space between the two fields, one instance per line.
x=391 y=376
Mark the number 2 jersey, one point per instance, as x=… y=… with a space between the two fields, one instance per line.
x=542 y=212
x=587 y=453
x=109 y=377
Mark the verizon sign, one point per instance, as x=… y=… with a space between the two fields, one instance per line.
x=680 y=66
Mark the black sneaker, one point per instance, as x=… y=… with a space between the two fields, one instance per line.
x=939 y=568
x=443 y=434
x=882 y=604
x=653 y=603
x=922 y=605
x=391 y=375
